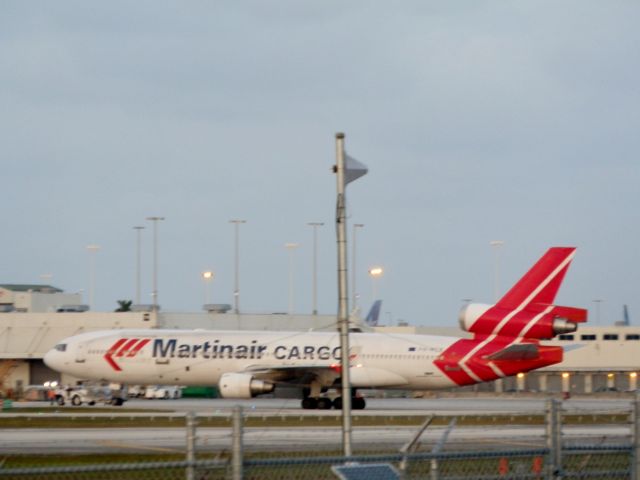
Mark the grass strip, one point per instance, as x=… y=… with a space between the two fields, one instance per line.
x=124 y=421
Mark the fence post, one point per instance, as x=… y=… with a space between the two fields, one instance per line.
x=635 y=429
x=236 y=451
x=191 y=444
x=554 y=438
x=434 y=469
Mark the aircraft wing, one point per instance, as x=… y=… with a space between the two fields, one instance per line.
x=302 y=375
x=296 y=374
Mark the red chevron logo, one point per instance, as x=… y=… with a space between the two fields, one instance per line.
x=124 y=347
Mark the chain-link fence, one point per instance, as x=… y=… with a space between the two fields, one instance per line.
x=547 y=445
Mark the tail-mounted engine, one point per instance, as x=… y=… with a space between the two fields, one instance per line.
x=536 y=321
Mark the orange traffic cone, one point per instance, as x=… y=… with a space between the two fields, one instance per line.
x=503 y=466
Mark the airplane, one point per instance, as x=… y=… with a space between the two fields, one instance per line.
x=244 y=364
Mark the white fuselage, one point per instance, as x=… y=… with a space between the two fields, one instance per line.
x=198 y=357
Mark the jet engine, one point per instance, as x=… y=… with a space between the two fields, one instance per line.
x=536 y=321
x=242 y=385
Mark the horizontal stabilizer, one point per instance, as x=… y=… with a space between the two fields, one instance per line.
x=573 y=314
x=520 y=351
x=570 y=348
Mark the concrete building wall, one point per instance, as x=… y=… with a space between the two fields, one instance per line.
x=231 y=321
x=31 y=335
x=36 y=302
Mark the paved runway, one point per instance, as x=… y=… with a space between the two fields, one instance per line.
x=375 y=406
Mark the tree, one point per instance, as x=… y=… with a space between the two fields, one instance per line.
x=124 y=305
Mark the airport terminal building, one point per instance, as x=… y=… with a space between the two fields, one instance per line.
x=34 y=318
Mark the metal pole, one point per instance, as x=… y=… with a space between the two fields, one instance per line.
x=635 y=428
x=92 y=249
x=237 y=453
x=343 y=299
x=598 y=303
x=154 y=292
x=496 y=286
x=191 y=445
x=315 y=226
x=236 y=287
x=353 y=266
x=554 y=438
x=291 y=248
x=138 y=230
x=411 y=446
x=207 y=278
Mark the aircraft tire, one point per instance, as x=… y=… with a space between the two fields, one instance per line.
x=324 y=403
x=358 y=403
x=310 y=403
x=337 y=403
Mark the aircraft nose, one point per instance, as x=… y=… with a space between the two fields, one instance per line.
x=49 y=359
x=54 y=358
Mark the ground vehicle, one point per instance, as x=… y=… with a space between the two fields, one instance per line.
x=75 y=395
x=89 y=395
x=163 y=392
x=136 y=391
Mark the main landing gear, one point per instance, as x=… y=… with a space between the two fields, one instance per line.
x=325 y=403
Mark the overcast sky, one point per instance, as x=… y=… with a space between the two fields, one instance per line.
x=478 y=120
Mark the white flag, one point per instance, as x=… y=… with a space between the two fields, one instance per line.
x=353 y=169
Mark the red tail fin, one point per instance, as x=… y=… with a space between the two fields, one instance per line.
x=527 y=310
x=507 y=334
x=541 y=283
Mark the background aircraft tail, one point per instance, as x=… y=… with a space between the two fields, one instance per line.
x=374 y=314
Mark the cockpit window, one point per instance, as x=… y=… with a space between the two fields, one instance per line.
x=61 y=347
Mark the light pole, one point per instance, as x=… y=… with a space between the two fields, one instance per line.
x=154 y=293
x=598 y=302
x=46 y=277
x=375 y=273
x=497 y=245
x=291 y=247
x=353 y=266
x=92 y=249
x=236 y=281
x=207 y=278
x=138 y=230
x=315 y=226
